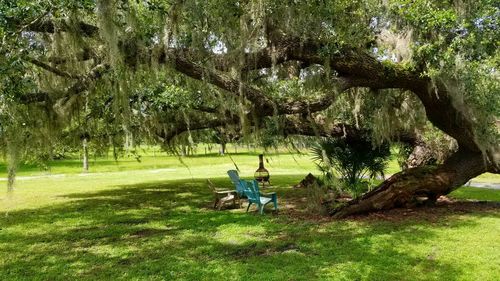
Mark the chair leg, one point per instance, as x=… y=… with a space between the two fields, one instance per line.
x=261 y=209
x=215 y=202
x=275 y=201
x=249 y=203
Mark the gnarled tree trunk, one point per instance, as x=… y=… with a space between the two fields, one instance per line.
x=411 y=186
x=420 y=155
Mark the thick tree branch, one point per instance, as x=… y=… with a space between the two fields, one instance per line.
x=170 y=131
x=316 y=126
x=206 y=109
x=363 y=70
x=82 y=84
x=48 y=26
x=35 y=97
x=356 y=68
x=84 y=55
x=52 y=69
x=264 y=105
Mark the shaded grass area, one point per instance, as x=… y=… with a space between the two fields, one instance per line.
x=159 y=227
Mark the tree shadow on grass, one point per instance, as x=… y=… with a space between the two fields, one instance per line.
x=166 y=230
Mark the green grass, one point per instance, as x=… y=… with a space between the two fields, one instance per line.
x=488 y=177
x=157 y=225
x=482 y=194
x=152 y=158
x=148 y=161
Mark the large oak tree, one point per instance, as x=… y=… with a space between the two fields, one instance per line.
x=158 y=70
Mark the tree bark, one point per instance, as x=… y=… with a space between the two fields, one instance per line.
x=222 y=148
x=421 y=155
x=418 y=185
x=85 y=155
x=184 y=150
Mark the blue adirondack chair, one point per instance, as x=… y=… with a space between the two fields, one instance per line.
x=235 y=179
x=255 y=197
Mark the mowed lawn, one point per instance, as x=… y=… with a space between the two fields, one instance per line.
x=122 y=223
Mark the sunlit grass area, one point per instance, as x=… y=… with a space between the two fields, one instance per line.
x=243 y=159
x=157 y=224
x=488 y=177
x=152 y=158
x=482 y=194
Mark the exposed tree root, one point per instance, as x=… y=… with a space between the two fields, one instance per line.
x=417 y=185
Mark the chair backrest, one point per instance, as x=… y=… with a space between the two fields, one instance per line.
x=251 y=190
x=211 y=185
x=235 y=179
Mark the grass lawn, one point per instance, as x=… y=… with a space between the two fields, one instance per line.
x=156 y=224
x=153 y=158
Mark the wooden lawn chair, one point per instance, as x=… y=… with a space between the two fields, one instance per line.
x=222 y=197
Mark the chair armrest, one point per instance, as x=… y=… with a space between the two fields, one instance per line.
x=225 y=191
x=273 y=195
x=268 y=194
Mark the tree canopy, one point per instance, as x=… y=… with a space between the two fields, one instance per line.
x=127 y=72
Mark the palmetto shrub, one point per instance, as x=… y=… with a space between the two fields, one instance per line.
x=352 y=160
